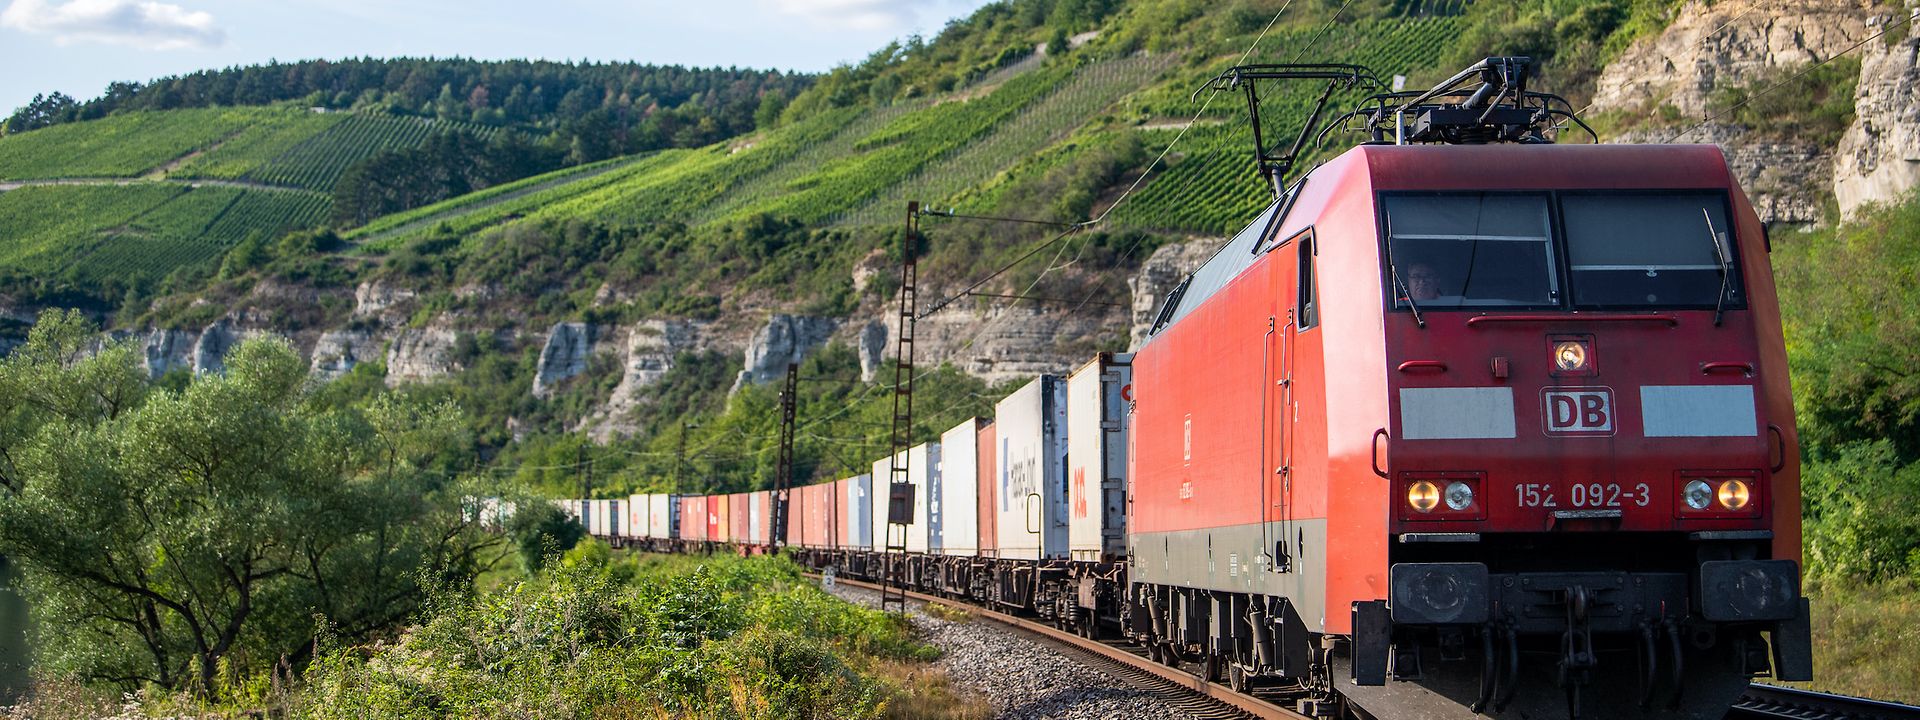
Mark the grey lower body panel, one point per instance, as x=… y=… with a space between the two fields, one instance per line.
x=1229 y=559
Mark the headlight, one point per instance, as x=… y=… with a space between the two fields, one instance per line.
x=1570 y=355
x=1459 y=496
x=1423 y=495
x=1734 y=494
x=1699 y=494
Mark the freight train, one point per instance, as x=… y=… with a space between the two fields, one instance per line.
x=1464 y=424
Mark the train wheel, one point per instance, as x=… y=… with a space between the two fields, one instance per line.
x=1212 y=668
x=1237 y=678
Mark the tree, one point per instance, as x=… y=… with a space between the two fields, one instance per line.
x=43 y=111
x=164 y=535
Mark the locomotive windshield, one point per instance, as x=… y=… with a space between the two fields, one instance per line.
x=1471 y=250
x=1670 y=250
x=1502 y=250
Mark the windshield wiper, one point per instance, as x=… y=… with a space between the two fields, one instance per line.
x=1726 y=267
x=1393 y=268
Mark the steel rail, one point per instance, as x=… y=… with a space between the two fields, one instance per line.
x=1774 y=701
x=1186 y=681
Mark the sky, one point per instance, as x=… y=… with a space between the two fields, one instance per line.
x=78 y=46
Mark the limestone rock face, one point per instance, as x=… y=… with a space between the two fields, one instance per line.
x=650 y=352
x=419 y=354
x=210 y=349
x=1878 y=159
x=784 y=339
x=378 y=299
x=1159 y=275
x=873 y=348
x=1732 y=42
x=168 y=349
x=337 y=351
x=565 y=355
x=1727 y=42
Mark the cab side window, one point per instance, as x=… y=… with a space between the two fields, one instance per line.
x=1308 y=302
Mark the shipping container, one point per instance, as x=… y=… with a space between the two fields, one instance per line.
x=616 y=518
x=800 y=516
x=759 y=517
x=663 y=516
x=858 y=519
x=837 y=513
x=828 y=496
x=987 y=465
x=923 y=470
x=716 y=518
x=955 y=498
x=596 y=517
x=919 y=470
x=636 y=517
x=737 y=515
x=884 y=536
x=1032 y=486
x=817 y=515
x=693 y=518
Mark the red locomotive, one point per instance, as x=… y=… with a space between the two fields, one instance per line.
x=1461 y=429
x=1465 y=423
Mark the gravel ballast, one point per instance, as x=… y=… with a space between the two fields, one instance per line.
x=1021 y=677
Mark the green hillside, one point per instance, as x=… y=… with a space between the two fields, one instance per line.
x=978 y=118
x=858 y=166
x=116 y=238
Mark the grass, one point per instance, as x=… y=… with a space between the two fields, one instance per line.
x=1866 y=641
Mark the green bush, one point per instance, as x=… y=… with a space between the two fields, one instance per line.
x=684 y=637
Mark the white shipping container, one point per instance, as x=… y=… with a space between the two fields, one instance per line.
x=1097 y=396
x=620 y=516
x=636 y=516
x=859 y=519
x=663 y=514
x=756 y=520
x=1031 y=497
x=882 y=498
x=957 y=494
x=923 y=470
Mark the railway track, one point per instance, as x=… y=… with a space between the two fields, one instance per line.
x=1765 y=702
x=1188 y=691
x=1181 y=688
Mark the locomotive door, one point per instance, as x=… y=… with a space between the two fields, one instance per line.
x=1277 y=413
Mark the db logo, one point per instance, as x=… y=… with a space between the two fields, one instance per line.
x=1578 y=411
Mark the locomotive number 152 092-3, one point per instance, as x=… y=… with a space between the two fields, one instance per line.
x=1583 y=495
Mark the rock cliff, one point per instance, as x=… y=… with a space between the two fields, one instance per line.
x=1878 y=160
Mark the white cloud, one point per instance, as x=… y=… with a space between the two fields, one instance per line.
x=139 y=23
x=885 y=15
